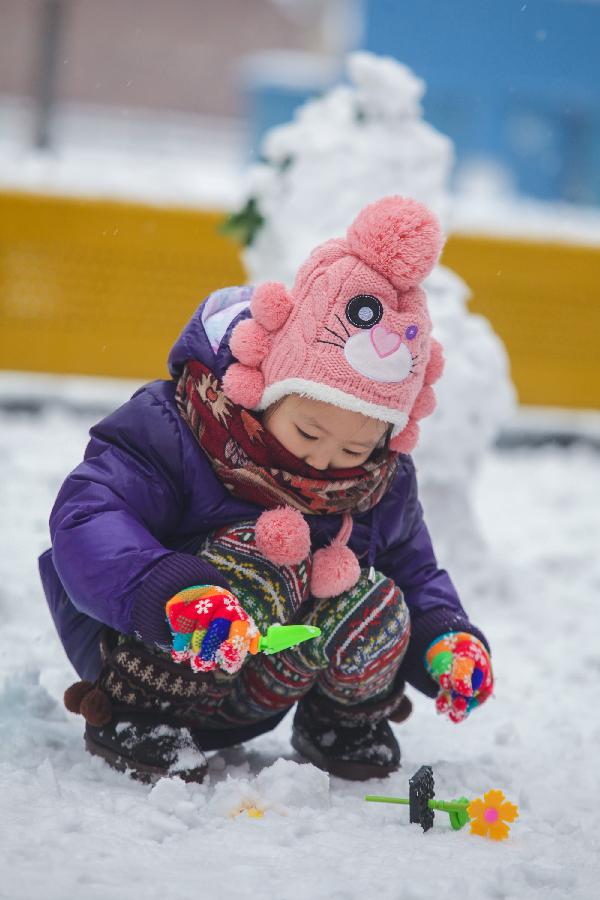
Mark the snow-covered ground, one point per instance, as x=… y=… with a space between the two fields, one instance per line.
x=73 y=828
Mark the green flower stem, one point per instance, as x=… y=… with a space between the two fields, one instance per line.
x=456 y=809
x=449 y=805
x=443 y=805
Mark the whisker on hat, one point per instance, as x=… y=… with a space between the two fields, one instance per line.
x=340 y=346
x=340 y=337
x=341 y=321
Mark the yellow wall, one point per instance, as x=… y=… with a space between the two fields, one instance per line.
x=103 y=288
x=543 y=299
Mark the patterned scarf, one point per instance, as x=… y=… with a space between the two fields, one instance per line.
x=254 y=466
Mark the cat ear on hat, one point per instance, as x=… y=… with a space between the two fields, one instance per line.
x=399 y=238
x=271 y=305
x=424 y=404
x=251 y=342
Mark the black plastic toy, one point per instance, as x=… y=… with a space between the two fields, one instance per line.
x=422 y=805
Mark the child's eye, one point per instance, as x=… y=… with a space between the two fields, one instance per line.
x=309 y=437
x=353 y=452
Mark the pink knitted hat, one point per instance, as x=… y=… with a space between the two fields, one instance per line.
x=354 y=331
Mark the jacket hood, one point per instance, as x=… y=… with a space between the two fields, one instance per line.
x=206 y=336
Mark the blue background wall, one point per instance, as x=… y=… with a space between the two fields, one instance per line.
x=516 y=81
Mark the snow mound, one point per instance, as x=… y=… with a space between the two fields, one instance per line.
x=357 y=143
x=280 y=787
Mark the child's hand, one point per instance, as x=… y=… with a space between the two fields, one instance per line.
x=209 y=628
x=461 y=665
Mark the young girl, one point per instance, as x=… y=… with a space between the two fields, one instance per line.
x=275 y=464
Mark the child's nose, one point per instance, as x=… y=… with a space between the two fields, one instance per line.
x=318 y=460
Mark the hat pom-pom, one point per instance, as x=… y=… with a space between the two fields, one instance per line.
x=283 y=536
x=335 y=570
x=271 y=305
x=399 y=238
x=250 y=343
x=244 y=385
x=407 y=440
x=435 y=364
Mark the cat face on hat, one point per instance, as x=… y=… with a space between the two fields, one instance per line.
x=354 y=330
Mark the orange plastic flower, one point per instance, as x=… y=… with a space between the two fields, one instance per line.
x=490 y=815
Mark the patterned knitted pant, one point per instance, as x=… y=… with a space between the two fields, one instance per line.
x=355 y=660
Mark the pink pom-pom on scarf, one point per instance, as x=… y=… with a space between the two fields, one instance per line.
x=283 y=536
x=335 y=568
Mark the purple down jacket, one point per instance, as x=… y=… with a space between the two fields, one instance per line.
x=127 y=519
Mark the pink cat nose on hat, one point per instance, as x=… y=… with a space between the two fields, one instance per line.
x=354 y=330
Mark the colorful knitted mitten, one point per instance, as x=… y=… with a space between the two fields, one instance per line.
x=210 y=629
x=461 y=665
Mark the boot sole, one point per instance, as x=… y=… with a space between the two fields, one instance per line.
x=140 y=771
x=339 y=767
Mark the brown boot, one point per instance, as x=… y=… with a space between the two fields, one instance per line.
x=352 y=742
x=149 y=743
x=147 y=751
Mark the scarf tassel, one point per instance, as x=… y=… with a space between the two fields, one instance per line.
x=283 y=537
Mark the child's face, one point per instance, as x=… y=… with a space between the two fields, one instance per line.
x=324 y=436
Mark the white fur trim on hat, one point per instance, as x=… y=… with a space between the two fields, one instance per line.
x=327 y=394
